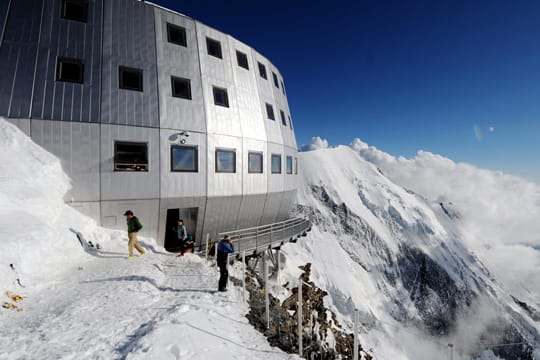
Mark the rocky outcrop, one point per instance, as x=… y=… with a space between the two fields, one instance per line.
x=323 y=336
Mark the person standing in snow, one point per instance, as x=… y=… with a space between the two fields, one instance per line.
x=225 y=247
x=133 y=225
x=181 y=233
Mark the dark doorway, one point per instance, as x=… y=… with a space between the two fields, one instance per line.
x=189 y=215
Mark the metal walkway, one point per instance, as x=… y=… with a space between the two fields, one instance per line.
x=261 y=238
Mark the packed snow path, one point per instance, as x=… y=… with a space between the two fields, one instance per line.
x=154 y=307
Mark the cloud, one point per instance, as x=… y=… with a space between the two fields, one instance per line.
x=316 y=143
x=499 y=212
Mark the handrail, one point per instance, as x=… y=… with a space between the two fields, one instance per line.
x=265 y=236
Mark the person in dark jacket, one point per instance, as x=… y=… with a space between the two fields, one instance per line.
x=181 y=234
x=225 y=247
x=133 y=225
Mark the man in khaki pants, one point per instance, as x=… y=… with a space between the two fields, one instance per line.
x=133 y=225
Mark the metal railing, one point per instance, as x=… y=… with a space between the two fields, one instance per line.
x=268 y=236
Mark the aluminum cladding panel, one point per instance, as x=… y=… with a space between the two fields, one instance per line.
x=287 y=202
x=254 y=183
x=221 y=215
x=251 y=210
x=179 y=61
x=289 y=180
x=117 y=185
x=224 y=183
x=275 y=180
x=272 y=206
x=112 y=216
x=247 y=93
x=217 y=72
x=4 y=7
x=18 y=57
x=129 y=40
x=77 y=146
x=22 y=124
x=61 y=100
x=182 y=184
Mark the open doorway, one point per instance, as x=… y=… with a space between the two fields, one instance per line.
x=189 y=215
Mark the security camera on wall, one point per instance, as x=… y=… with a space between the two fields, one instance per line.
x=185 y=133
x=183 y=141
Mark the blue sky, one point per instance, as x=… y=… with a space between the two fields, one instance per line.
x=402 y=75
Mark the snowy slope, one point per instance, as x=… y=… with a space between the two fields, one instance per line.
x=101 y=306
x=405 y=262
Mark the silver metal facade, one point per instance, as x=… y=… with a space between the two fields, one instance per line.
x=81 y=122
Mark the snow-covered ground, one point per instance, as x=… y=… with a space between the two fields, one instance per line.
x=79 y=305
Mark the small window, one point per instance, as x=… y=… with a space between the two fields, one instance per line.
x=226 y=161
x=296 y=166
x=290 y=122
x=184 y=159
x=289 y=164
x=130 y=156
x=255 y=163
x=270 y=112
x=276 y=164
x=282 y=87
x=283 y=120
x=130 y=78
x=220 y=97
x=262 y=71
x=213 y=47
x=70 y=70
x=181 y=88
x=75 y=10
x=242 y=60
x=276 y=82
x=176 y=35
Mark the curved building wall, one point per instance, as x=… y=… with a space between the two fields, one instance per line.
x=83 y=121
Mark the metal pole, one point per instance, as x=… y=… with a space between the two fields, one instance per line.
x=451 y=351
x=278 y=267
x=215 y=251
x=206 y=252
x=355 y=350
x=244 y=275
x=300 y=340
x=266 y=297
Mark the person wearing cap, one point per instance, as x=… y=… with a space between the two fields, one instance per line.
x=133 y=225
x=225 y=247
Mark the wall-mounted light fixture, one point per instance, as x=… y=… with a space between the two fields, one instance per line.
x=180 y=137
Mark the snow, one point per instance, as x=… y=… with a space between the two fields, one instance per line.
x=102 y=306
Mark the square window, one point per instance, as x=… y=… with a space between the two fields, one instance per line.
x=130 y=78
x=270 y=112
x=226 y=161
x=213 y=47
x=283 y=120
x=220 y=97
x=130 y=156
x=255 y=163
x=184 y=159
x=282 y=87
x=276 y=164
x=290 y=122
x=289 y=164
x=176 y=35
x=75 y=10
x=70 y=70
x=296 y=166
x=181 y=88
x=242 y=60
x=262 y=71
x=276 y=83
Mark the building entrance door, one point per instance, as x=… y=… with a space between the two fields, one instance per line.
x=189 y=215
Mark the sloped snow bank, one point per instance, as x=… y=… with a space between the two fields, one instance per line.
x=35 y=222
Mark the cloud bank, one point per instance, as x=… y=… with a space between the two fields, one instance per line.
x=499 y=213
x=316 y=143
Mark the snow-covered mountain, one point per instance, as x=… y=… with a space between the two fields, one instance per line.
x=430 y=252
x=409 y=257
